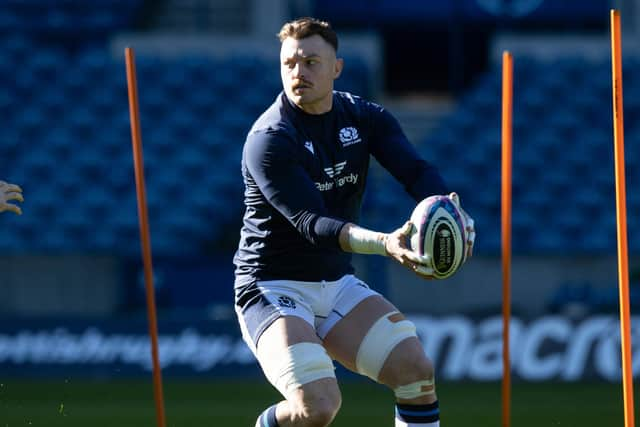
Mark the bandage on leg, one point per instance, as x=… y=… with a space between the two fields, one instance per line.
x=301 y=364
x=387 y=332
x=415 y=390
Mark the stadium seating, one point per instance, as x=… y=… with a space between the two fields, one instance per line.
x=67 y=18
x=563 y=181
x=66 y=139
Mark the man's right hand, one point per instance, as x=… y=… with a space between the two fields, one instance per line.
x=10 y=192
x=397 y=248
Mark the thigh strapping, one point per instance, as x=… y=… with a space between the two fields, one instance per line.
x=344 y=339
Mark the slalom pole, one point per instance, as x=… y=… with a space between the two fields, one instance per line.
x=145 y=240
x=507 y=124
x=621 y=218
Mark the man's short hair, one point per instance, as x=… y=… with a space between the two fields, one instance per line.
x=306 y=27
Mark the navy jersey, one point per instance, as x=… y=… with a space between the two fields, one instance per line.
x=305 y=176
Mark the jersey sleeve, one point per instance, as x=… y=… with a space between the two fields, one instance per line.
x=394 y=152
x=270 y=160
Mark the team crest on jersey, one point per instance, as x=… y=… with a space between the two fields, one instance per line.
x=335 y=170
x=349 y=136
x=285 y=301
x=309 y=146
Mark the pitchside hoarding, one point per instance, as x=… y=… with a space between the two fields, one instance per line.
x=463 y=348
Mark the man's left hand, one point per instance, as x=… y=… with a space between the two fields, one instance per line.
x=10 y=192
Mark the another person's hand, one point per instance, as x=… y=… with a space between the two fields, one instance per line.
x=396 y=247
x=10 y=192
x=469 y=226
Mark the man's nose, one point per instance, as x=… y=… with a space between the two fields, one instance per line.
x=297 y=70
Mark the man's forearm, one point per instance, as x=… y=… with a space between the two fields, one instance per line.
x=362 y=241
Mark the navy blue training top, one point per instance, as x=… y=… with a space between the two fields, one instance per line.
x=304 y=178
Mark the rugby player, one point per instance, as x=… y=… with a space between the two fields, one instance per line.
x=304 y=165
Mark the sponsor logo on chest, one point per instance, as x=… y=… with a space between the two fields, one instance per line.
x=334 y=173
x=335 y=170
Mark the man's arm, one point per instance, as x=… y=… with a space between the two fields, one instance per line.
x=394 y=152
x=421 y=179
x=288 y=188
x=10 y=192
x=362 y=241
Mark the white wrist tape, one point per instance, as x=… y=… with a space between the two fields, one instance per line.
x=363 y=241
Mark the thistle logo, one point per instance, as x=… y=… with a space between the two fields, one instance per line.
x=335 y=170
x=285 y=301
x=349 y=136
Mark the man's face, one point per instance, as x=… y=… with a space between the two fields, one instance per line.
x=308 y=68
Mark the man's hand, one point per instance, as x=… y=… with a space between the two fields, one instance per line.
x=10 y=192
x=469 y=226
x=396 y=247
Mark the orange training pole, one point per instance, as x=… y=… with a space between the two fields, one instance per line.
x=621 y=219
x=136 y=139
x=507 y=112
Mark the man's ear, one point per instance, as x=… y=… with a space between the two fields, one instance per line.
x=338 y=68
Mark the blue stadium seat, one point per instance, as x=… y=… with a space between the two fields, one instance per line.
x=67 y=17
x=196 y=112
x=565 y=157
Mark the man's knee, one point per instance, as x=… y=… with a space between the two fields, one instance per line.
x=316 y=405
x=409 y=373
x=407 y=363
x=320 y=413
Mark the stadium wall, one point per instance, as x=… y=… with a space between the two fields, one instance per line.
x=103 y=285
x=462 y=347
x=537 y=286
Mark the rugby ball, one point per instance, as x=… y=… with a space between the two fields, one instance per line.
x=438 y=232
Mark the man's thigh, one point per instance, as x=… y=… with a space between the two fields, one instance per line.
x=284 y=332
x=293 y=359
x=344 y=339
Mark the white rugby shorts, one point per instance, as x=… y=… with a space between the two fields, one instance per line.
x=321 y=304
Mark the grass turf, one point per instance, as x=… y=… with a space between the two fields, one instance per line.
x=71 y=403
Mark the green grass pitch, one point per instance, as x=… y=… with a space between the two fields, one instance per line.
x=72 y=403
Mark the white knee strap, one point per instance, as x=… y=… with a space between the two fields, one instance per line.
x=414 y=390
x=303 y=362
x=376 y=345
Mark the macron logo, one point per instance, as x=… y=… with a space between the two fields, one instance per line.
x=309 y=146
x=336 y=169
